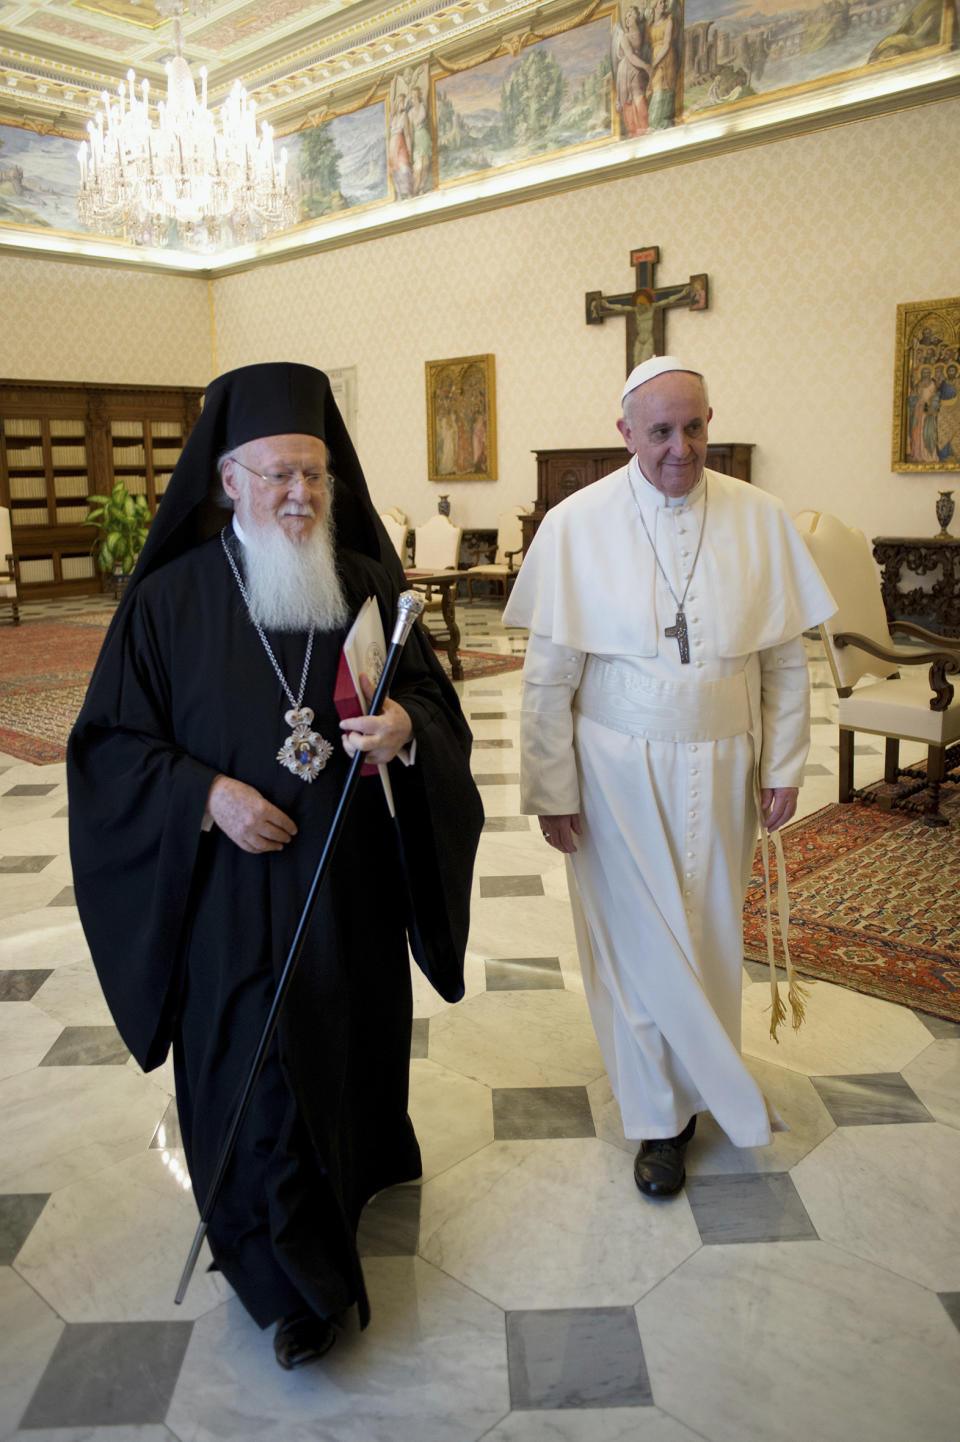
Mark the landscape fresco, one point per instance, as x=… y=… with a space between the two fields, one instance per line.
x=737 y=49
x=39 y=179
x=410 y=149
x=553 y=95
x=342 y=163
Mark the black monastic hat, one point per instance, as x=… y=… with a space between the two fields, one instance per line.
x=271 y=399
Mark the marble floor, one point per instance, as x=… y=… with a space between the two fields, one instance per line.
x=523 y=1291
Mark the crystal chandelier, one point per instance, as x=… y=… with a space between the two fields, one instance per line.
x=214 y=183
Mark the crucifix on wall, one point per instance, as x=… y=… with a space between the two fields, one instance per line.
x=644 y=308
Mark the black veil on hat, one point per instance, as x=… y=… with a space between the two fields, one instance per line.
x=274 y=398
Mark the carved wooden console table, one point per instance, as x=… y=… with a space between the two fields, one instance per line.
x=936 y=607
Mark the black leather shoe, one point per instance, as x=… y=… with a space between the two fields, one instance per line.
x=302 y=1337
x=659 y=1170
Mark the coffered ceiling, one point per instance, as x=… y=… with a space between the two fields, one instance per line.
x=293 y=56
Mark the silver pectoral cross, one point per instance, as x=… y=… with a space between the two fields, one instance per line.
x=678 y=631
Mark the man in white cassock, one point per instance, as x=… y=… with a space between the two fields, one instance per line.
x=665 y=712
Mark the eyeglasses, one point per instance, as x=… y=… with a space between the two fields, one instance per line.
x=313 y=480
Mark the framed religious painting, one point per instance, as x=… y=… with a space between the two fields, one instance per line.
x=926 y=387
x=462 y=419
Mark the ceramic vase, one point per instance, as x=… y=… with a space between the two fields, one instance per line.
x=945 y=509
x=443 y=506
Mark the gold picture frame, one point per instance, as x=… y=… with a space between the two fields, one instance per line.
x=926 y=387
x=462 y=419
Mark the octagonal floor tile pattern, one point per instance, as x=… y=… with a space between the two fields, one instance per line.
x=523 y=1291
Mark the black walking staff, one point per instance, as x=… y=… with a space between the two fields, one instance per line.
x=409 y=607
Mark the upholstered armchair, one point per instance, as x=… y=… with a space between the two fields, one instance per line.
x=901 y=693
x=9 y=567
x=396 y=527
x=805 y=521
x=503 y=564
x=436 y=545
x=436 y=548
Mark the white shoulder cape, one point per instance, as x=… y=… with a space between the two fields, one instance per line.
x=588 y=580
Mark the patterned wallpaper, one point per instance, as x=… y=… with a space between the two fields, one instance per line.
x=87 y=323
x=809 y=244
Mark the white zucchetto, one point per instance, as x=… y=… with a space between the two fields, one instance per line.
x=657 y=365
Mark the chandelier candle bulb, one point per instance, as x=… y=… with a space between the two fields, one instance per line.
x=215 y=181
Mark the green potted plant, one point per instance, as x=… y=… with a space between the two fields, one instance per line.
x=122 y=522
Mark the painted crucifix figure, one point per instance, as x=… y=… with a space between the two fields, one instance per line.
x=644 y=308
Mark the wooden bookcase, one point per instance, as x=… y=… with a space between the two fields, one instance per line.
x=61 y=442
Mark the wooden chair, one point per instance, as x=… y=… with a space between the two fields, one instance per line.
x=873 y=695
x=436 y=545
x=805 y=521
x=502 y=566
x=395 y=525
x=9 y=567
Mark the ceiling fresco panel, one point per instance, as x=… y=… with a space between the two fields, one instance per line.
x=87 y=35
x=253 y=22
x=144 y=15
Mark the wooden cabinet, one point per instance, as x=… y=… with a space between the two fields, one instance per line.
x=62 y=442
x=560 y=473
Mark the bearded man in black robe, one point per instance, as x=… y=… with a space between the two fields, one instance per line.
x=204 y=771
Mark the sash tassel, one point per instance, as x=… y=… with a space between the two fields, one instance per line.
x=796 y=990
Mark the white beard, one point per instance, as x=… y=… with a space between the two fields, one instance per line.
x=293 y=585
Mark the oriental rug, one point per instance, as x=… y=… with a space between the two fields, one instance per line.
x=44 y=670
x=477 y=664
x=45 y=667
x=874 y=904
